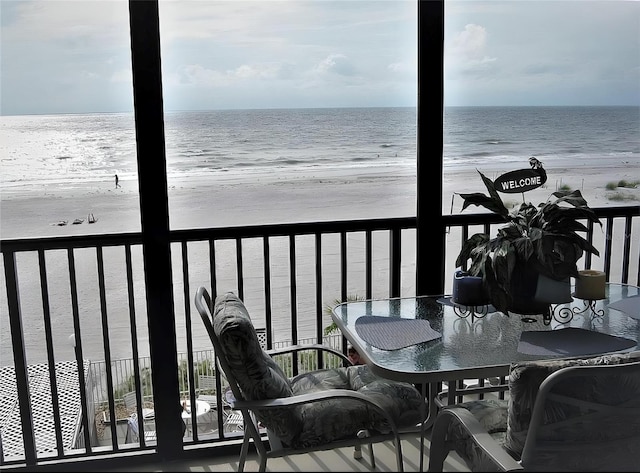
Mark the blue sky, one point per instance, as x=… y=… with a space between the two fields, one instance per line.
x=74 y=56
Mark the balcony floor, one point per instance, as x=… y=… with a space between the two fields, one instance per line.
x=331 y=461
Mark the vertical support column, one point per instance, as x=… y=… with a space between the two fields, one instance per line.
x=154 y=214
x=430 y=235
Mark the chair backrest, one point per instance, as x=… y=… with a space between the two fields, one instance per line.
x=576 y=415
x=251 y=372
x=204 y=307
x=130 y=401
x=207 y=382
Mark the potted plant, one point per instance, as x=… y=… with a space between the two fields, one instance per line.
x=540 y=240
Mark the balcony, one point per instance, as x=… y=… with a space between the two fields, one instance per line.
x=84 y=293
x=79 y=302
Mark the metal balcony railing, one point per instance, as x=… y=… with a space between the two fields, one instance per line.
x=82 y=298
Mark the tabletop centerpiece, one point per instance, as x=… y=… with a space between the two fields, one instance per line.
x=538 y=246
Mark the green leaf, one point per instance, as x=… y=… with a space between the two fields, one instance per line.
x=572 y=197
x=488 y=183
x=477 y=240
x=492 y=202
x=482 y=200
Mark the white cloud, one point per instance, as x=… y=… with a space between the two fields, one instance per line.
x=403 y=67
x=257 y=71
x=470 y=43
x=123 y=75
x=467 y=53
x=335 y=64
x=196 y=74
x=88 y=22
x=89 y=75
x=542 y=53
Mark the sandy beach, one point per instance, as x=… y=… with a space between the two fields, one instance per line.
x=232 y=199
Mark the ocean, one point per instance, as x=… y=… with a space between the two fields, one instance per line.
x=557 y=136
x=39 y=150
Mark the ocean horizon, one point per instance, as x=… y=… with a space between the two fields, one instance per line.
x=39 y=150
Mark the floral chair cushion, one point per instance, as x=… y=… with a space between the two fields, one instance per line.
x=333 y=419
x=307 y=425
x=492 y=415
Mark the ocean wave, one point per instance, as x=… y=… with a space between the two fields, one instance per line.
x=478 y=154
x=494 y=141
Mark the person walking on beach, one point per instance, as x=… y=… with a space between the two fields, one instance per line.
x=117 y=182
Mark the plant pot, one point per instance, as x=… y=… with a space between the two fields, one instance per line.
x=529 y=307
x=552 y=291
x=529 y=296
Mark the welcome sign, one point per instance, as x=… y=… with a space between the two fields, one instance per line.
x=522 y=180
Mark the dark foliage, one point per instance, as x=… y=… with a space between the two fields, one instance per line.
x=545 y=238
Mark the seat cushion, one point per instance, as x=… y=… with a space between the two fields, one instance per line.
x=524 y=382
x=339 y=418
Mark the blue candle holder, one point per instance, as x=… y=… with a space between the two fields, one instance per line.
x=468 y=297
x=468 y=290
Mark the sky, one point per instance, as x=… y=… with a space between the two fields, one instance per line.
x=74 y=56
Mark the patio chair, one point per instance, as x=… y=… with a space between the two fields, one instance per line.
x=319 y=410
x=148 y=418
x=131 y=403
x=561 y=415
x=234 y=421
x=133 y=431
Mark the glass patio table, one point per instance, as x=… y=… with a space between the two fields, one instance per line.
x=476 y=346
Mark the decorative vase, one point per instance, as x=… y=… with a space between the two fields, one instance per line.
x=524 y=288
x=553 y=291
